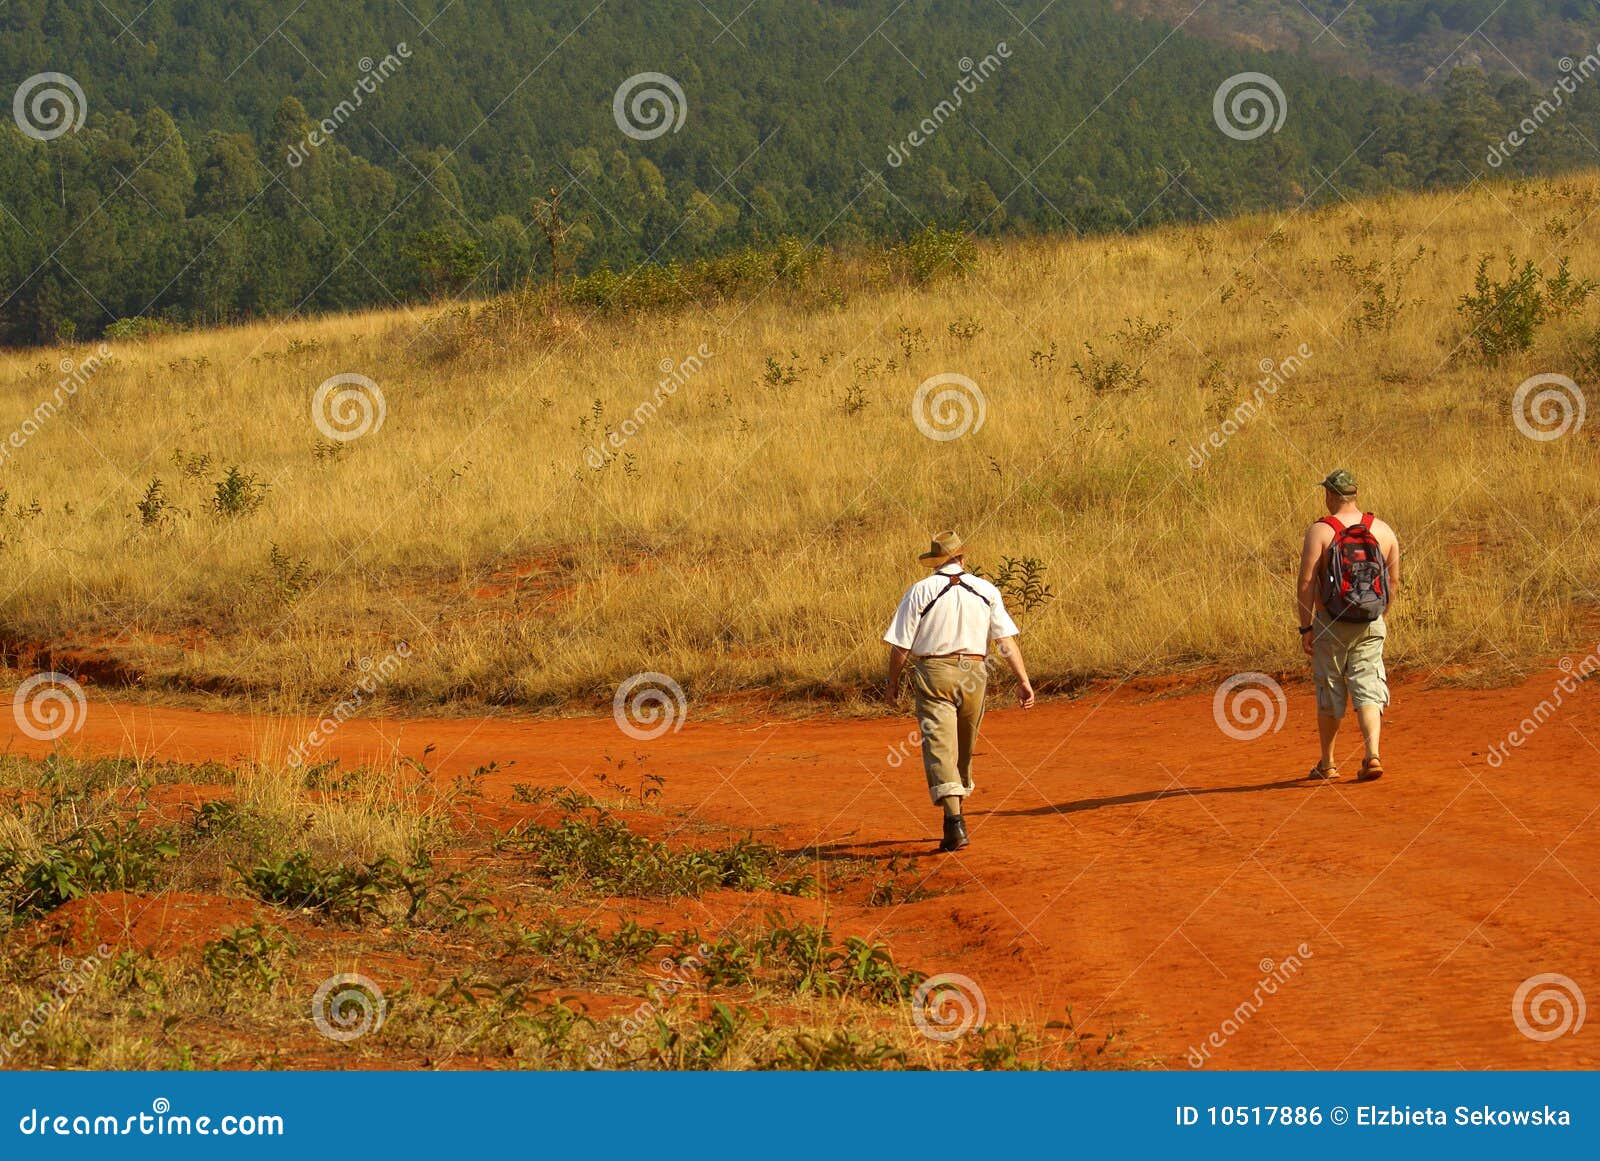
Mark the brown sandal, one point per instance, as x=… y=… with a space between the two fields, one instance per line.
x=1371 y=770
x=1321 y=773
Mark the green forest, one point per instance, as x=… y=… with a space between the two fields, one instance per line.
x=258 y=158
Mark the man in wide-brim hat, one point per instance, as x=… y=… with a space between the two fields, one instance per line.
x=944 y=625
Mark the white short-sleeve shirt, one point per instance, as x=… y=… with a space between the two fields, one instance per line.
x=958 y=622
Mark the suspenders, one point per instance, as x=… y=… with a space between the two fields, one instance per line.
x=955 y=583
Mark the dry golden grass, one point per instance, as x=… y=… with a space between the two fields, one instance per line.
x=757 y=535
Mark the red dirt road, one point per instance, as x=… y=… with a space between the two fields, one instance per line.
x=1130 y=860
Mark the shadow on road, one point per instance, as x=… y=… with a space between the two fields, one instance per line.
x=1151 y=796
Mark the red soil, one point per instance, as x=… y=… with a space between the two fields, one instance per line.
x=174 y=922
x=1130 y=860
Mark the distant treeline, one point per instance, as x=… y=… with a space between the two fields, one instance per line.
x=368 y=153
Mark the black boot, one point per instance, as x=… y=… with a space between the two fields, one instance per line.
x=955 y=833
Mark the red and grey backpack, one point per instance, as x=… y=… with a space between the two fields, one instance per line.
x=1355 y=573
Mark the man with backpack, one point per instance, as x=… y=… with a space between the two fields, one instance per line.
x=1349 y=567
x=943 y=626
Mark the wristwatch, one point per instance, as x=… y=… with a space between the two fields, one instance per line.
x=1304 y=629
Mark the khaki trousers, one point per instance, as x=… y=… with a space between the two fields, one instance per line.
x=1347 y=663
x=948 y=693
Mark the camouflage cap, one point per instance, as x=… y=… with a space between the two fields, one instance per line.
x=1340 y=481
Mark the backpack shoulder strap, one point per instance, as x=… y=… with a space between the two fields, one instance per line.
x=1333 y=523
x=1367 y=519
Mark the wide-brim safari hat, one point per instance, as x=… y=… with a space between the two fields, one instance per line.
x=946 y=547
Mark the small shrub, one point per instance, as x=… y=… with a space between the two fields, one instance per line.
x=1105 y=375
x=1503 y=316
x=1140 y=337
x=705 y=1043
x=707 y=281
x=132 y=330
x=191 y=465
x=842 y=1051
x=1566 y=293
x=108 y=857
x=287 y=578
x=246 y=955
x=911 y=341
x=1382 y=290
x=1021 y=581
x=351 y=894
x=581 y=945
x=934 y=254
x=237 y=494
x=782 y=374
x=437 y=901
x=153 y=508
x=608 y=857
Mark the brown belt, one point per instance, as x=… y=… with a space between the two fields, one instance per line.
x=948 y=656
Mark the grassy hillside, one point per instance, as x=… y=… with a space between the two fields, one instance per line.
x=496 y=544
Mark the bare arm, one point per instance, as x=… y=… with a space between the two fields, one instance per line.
x=897 y=665
x=1012 y=652
x=1391 y=556
x=1305 y=593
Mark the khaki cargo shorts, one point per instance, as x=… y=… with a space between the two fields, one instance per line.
x=1347 y=664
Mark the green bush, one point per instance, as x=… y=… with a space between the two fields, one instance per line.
x=707 y=281
x=132 y=330
x=238 y=493
x=249 y=955
x=340 y=892
x=611 y=859
x=109 y=857
x=936 y=253
x=1503 y=316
